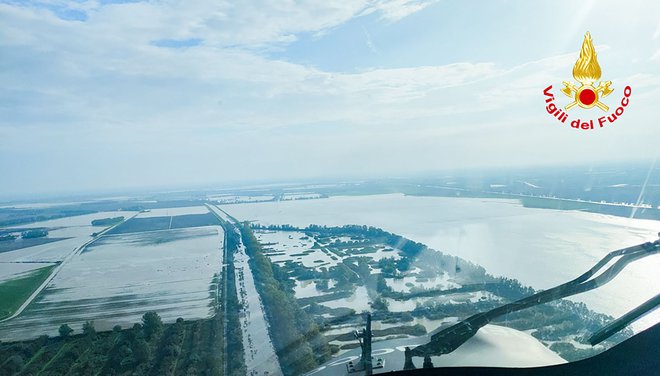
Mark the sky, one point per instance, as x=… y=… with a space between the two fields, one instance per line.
x=102 y=95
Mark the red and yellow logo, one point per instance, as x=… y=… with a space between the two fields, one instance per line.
x=589 y=93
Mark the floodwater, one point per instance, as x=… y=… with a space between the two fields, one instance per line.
x=167 y=212
x=118 y=278
x=17 y=270
x=290 y=245
x=75 y=232
x=260 y=357
x=359 y=301
x=539 y=247
x=405 y=284
x=306 y=289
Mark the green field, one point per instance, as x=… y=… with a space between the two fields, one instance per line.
x=15 y=291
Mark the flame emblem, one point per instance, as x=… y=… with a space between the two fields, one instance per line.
x=587 y=71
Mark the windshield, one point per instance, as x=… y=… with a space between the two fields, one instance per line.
x=329 y=188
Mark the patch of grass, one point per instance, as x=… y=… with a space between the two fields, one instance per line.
x=15 y=291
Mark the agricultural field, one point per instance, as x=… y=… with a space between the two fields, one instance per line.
x=34 y=252
x=167 y=219
x=168 y=212
x=63 y=236
x=16 y=290
x=235 y=199
x=538 y=247
x=134 y=268
x=338 y=273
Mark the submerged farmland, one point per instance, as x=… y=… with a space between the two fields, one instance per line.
x=411 y=290
x=163 y=263
x=539 y=247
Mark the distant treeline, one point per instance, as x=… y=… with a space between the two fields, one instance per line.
x=12 y=217
x=592 y=207
x=107 y=221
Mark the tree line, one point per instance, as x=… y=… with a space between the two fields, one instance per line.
x=298 y=342
x=150 y=347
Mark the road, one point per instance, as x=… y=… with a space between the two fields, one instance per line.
x=260 y=356
x=224 y=302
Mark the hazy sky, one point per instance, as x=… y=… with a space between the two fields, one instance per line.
x=116 y=94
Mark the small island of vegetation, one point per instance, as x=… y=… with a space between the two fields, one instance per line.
x=107 y=221
x=34 y=233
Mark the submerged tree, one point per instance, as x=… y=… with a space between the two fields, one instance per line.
x=88 y=329
x=65 y=330
x=152 y=324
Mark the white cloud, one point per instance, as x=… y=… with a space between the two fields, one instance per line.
x=105 y=71
x=397 y=9
x=77 y=88
x=219 y=23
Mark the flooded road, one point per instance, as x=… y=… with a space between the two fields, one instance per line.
x=260 y=357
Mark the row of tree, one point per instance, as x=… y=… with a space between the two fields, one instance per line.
x=107 y=221
x=147 y=348
x=298 y=342
x=234 y=340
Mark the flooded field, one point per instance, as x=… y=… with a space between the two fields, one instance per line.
x=69 y=232
x=539 y=247
x=338 y=273
x=167 y=219
x=282 y=246
x=118 y=278
x=406 y=284
x=260 y=356
x=167 y=212
x=16 y=270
